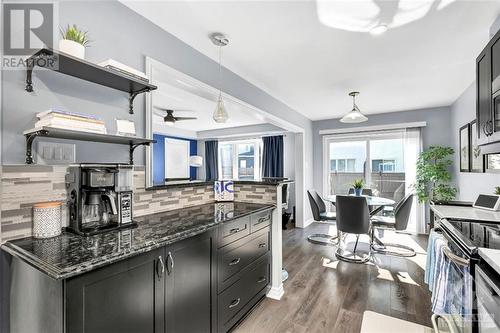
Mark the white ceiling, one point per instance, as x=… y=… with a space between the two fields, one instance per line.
x=311 y=54
x=191 y=98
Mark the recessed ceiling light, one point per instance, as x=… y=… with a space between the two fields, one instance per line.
x=378 y=30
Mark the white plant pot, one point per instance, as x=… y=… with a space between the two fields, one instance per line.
x=72 y=48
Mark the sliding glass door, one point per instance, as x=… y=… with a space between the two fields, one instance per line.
x=377 y=158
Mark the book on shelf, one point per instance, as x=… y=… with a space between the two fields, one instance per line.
x=124 y=69
x=61 y=112
x=70 y=124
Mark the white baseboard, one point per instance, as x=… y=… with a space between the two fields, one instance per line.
x=306 y=224
x=276 y=292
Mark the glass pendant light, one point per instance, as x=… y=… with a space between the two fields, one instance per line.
x=220 y=114
x=354 y=116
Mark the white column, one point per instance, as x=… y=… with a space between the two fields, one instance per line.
x=276 y=291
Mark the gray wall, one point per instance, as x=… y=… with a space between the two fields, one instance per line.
x=121 y=34
x=469 y=184
x=437 y=131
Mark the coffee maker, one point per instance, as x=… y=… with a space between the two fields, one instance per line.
x=100 y=197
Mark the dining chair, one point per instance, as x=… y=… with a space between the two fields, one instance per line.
x=365 y=191
x=353 y=217
x=320 y=214
x=398 y=222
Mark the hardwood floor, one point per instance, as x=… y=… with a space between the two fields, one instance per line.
x=323 y=294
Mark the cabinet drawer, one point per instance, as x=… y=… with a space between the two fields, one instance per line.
x=234 y=230
x=232 y=300
x=240 y=254
x=260 y=220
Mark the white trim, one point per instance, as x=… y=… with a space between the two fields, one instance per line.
x=307 y=223
x=373 y=128
x=276 y=292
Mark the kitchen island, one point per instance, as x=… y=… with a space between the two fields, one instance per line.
x=211 y=261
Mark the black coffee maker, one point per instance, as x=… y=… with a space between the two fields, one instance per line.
x=100 y=197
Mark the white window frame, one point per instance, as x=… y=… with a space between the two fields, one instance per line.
x=257 y=157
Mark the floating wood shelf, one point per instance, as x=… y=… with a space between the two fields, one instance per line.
x=50 y=132
x=85 y=70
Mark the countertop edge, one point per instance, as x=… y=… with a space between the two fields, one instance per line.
x=73 y=271
x=483 y=253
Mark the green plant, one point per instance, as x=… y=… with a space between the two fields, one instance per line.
x=358 y=184
x=433 y=176
x=497 y=190
x=73 y=33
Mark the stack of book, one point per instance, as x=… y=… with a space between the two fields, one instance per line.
x=56 y=118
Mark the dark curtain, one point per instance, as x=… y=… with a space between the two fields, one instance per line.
x=272 y=156
x=211 y=161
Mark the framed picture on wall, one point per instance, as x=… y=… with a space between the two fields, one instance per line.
x=476 y=158
x=464 y=144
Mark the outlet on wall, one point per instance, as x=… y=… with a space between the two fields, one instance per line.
x=53 y=153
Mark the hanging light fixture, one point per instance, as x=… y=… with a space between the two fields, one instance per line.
x=220 y=113
x=354 y=116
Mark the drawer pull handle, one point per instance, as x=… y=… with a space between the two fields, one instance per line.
x=235 y=262
x=234 y=303
x=233 y=231
x=262 y=279
x=261 y=245
x=262 y=219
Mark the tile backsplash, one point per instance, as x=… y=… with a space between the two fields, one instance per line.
x=25 y=185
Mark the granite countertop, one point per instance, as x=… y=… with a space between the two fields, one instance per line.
x=492 y=257
x=466 y=213
x=210 y=182
x=69 y=255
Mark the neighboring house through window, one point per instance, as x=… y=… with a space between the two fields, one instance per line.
x=383 y=165
x=343 y=165
x=240 y=159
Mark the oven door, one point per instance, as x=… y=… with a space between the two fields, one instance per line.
x=488 y=300
x=459 y=294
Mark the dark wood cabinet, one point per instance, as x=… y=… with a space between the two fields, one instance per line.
x=124 y=297
x=488 y=93
x=188 y=285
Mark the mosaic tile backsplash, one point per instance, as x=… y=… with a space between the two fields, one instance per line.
x=25 y=185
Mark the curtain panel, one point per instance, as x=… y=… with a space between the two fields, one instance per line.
x=211 y=164
x=272 y=156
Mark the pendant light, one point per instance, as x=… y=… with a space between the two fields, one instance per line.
x=220 y=113
x=354 y=116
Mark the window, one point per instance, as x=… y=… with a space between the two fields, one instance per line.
x=343 y=165
x=239 y=160
x=382 y=165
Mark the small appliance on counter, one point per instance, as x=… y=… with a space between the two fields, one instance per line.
x=100 y=197
x=488 y=202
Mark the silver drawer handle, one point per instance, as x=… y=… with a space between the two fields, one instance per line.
x=233 y=231
x=261 y=245
x=434 y=322
x=262 y=279
x=454 y=258
x=162 y=264
x=234 y=262
x=263 y=219
x=234 y=303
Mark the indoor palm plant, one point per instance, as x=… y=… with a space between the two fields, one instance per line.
x=433 y=175
x=74 y=41
x=358 y=186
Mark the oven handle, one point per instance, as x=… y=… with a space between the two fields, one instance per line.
x=454 y=258
x=434 y=319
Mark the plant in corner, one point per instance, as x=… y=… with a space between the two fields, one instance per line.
x=433 y=175
x=74 y=41
x=358 y=186
x=497 y=190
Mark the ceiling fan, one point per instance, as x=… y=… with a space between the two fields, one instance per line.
x=170 y=118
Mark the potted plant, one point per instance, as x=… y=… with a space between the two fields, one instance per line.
x=74 y=41
x=358 y=186
x=433 y=175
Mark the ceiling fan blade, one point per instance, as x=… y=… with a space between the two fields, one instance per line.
x=185 y=118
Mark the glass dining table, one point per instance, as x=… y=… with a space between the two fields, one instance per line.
x=376 y=204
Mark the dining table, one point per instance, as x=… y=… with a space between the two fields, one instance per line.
x=376 y=204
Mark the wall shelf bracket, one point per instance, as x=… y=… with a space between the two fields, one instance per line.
x=131 y=98
x=29 y=144
x=132 y=148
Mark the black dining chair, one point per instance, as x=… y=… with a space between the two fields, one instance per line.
x=320 y=214
x=353 y=217
x=398 y=222
x=365 y=191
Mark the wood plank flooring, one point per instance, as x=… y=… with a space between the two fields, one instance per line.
x=323 y=294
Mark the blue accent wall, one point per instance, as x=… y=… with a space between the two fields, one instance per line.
x=159 y=157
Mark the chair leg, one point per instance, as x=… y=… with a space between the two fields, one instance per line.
x=356 y=245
